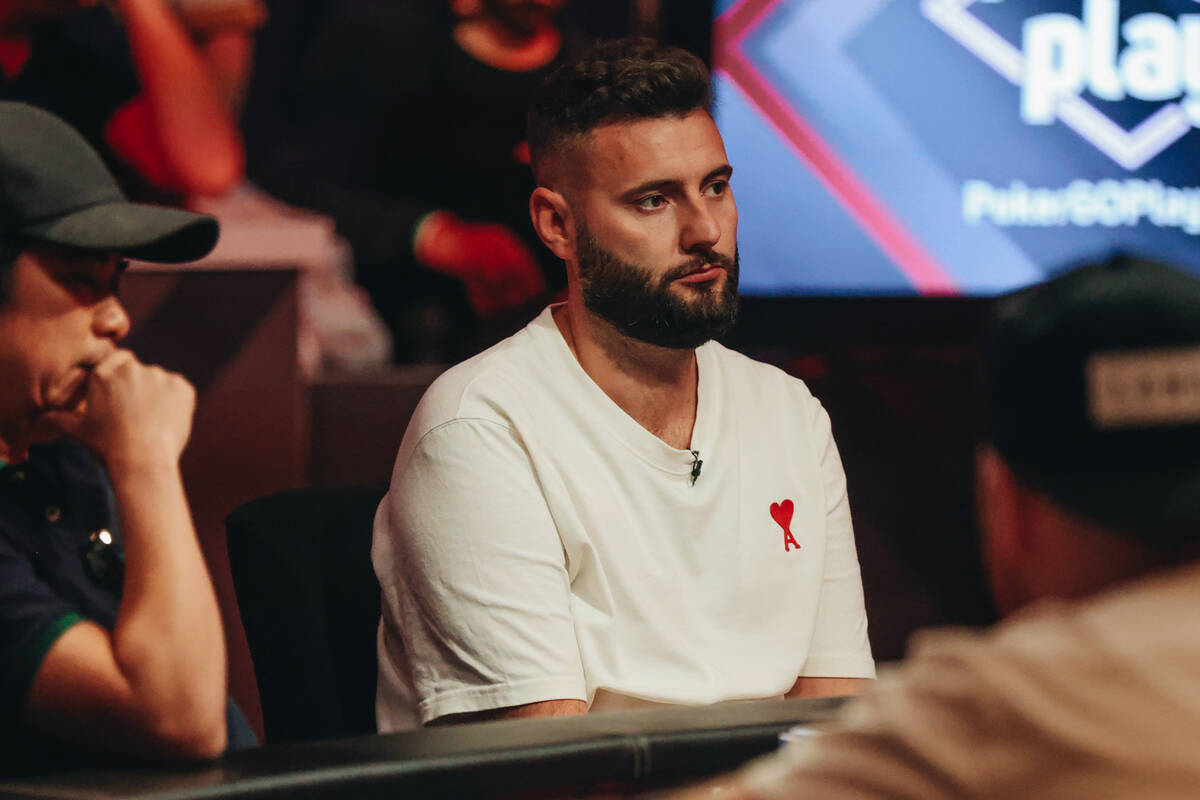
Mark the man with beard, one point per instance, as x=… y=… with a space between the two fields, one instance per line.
x=609 y=509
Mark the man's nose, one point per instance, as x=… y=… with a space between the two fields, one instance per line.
x=111 y=320
x=701 y=229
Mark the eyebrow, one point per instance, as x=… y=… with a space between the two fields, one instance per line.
x=724 y=171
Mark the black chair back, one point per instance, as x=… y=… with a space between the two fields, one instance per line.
x=309 y=602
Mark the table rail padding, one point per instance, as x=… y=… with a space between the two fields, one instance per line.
x=537 y=757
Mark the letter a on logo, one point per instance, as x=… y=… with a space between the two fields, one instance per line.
x=782 y=514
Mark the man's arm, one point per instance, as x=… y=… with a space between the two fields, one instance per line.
x=474 y=579
x=828 y=687
x=180 y=131
x=840 y=647
x=155 y=685
x=225 y=35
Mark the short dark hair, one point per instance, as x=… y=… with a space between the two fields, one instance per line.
x=616 y=81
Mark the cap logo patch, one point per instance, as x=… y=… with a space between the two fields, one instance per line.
x=1144 y=388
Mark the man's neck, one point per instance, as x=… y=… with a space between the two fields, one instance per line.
x=487 y=41
x=654 y=385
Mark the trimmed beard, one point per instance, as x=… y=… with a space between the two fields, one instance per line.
x=651 y=309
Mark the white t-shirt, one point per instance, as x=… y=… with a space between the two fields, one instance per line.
x=537 y=543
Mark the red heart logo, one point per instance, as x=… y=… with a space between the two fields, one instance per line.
x=782 y=513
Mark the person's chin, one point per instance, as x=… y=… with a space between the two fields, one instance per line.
x=45 y=430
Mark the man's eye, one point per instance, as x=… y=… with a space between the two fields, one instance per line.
x=718 y=188
x=90 y=285
x=654 y=201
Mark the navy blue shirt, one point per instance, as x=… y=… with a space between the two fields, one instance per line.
x=61 y=562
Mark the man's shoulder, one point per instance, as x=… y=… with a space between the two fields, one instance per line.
x=59 y=470
x=487 y=386
x=1074 y=637
x=1117 y=670
x=1117 y=617
x=70 y=462
x=745 y=373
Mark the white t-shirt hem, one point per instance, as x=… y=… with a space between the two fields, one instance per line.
x=508 y=695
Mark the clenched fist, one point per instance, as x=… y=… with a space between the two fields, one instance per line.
x=132 y=413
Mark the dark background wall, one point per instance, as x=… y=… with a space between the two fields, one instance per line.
x=897 y=376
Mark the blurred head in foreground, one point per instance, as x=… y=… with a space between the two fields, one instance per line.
x=1090 y=471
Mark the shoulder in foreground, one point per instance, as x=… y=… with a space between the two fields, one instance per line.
x=1122 y=628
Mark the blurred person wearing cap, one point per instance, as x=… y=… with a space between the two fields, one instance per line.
x=110 y=638
x=153 y=85
x=609 y=509
x=405 y=122
x=1088 y=490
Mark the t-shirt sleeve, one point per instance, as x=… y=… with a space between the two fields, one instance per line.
x=32 y=617
x=474 y=575
x=840 y=647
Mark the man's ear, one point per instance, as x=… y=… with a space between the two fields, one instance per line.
x=1001 y=505
x=552 y=220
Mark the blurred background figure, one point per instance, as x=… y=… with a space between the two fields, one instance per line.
x=154 y=85
x=405 y=121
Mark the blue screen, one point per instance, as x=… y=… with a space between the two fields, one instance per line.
x=952 y=147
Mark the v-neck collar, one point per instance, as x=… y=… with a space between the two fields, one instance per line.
x=630 y=432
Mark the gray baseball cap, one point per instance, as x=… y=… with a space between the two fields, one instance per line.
x=54 y=189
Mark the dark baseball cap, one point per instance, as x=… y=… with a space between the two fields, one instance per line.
x=54 y=189
x=1092 y=394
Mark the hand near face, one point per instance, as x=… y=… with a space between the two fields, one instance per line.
x=132 y=413
x=493 y=263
